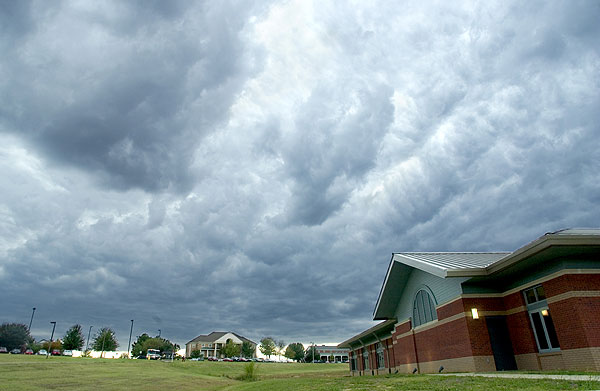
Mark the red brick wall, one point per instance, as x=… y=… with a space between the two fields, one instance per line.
x=402 y=328
x=514 y=300
x=404 y=351
x=577 y=319
x=577 y=322
x=483 y=304
x=448 y=340
x=450 y=309
x=572 y=282
x=521 y=333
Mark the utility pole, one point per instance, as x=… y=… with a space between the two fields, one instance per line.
x=129 y=344
x=88 y=339
x=51 y=337
x=31 y=321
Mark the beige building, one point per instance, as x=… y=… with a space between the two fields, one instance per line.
x=210 y=345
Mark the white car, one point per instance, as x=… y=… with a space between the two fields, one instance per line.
x=43 y=352
x=67 y=353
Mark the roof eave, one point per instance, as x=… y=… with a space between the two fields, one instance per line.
x=381 y=290
x=424 y=266
x=541 y=244
x=472 y=272
x=370 y=331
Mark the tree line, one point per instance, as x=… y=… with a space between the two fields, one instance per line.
x=294 y=351
x=17 y=336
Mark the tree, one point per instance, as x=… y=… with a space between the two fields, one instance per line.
x=310 y=353
x=248 y=349
x=105 y=340
x=230 y=349
x=73 y=339
x=280 y=347
x=55 y=345
x=145 y=342
x=14 y=336
x=295 y=351
x=267 y=346
x=137 y=348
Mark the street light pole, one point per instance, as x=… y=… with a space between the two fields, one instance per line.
x=129 y=344
x=88 y=339
x=31 y=321
x=51 y=337
x=158 y=333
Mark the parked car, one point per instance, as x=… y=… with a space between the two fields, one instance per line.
x=3 y=349
x=42 y=352
x=29 y=351
x=15 y=351
x=67 y=353
x=228 y=359
x=197 y=359
x=55 y=352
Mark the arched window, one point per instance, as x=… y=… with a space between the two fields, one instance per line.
x=423 y=308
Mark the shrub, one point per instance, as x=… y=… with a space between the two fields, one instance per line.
x=196 y=354
x=250 y=372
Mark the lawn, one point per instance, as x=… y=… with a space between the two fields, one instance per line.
x=65 y=373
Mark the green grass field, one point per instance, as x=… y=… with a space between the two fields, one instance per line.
x=19 y=372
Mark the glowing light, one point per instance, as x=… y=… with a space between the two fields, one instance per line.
x=475 y=313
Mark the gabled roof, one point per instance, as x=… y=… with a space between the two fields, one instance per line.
x=445 y=264
x=215 y=335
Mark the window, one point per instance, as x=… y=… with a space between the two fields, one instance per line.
x=380 y=357
x=423 y=308
x=353 y=363
x=541 y=320
x=535 y=294
x=365 y=360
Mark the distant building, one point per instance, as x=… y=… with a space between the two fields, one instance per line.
x=210 y=345
x=537 y=308
x=331 y=353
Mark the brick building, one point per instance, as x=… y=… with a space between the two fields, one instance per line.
x=537 y=308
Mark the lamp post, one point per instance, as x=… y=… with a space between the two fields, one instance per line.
x=158 y=333
x=313 y=352
x=31 y=321
x=88 y=338
x=51 y=337
x=129 y=343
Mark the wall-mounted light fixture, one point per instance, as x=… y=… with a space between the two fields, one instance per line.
x=544 y=312
x=475 y=313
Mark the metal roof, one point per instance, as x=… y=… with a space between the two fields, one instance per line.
x=440 y=263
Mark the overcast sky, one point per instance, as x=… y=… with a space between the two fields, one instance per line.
x=251 y=166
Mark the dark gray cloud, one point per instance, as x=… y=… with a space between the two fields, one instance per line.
x=251 y=167
x=125 y=90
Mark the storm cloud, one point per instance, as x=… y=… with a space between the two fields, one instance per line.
x=251 y=166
